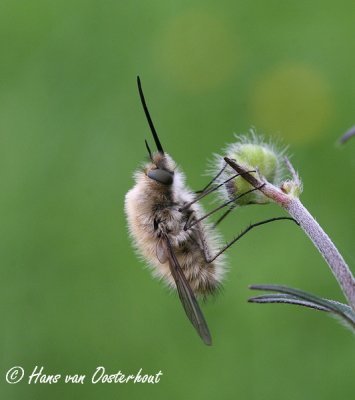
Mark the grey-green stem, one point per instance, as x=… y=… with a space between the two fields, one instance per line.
x=325 y=246
x=310 y=226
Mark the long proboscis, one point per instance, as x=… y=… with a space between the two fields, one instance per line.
x=150 y=122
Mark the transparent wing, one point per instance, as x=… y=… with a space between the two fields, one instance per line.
x=186 y=295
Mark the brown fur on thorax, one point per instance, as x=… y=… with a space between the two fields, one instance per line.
x=153 y=209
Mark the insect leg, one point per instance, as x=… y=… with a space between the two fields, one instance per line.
x=213 y=180
x=203 y=245
x=205 y=193
x=221 y=218
x=250 y=227
x=189 y=225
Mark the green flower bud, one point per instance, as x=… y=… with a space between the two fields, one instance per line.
x=255 y=155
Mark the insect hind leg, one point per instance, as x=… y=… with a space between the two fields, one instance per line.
x=191 y=222
x=244 y=232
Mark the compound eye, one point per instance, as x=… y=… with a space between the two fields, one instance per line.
x=161 y=176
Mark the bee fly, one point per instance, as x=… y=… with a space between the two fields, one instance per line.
x=167 y=229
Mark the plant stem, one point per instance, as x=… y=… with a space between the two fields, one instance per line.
x=325 y=246
x=310 y=226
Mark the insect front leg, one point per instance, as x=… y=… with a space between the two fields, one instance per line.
x=206 y=191
x=212 y=180
x=195 y=221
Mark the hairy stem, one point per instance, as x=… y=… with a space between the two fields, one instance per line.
x=325 y=246
x=310 y=226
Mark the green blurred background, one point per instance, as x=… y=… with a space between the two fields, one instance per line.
x=73 y=293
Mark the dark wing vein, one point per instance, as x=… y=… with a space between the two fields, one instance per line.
x=186 y=295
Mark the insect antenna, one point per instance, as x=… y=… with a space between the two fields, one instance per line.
x=150 y=122
x=150 y=153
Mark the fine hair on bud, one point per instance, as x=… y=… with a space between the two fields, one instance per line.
x=262 y=159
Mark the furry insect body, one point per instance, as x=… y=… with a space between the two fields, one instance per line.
x=153 y=214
